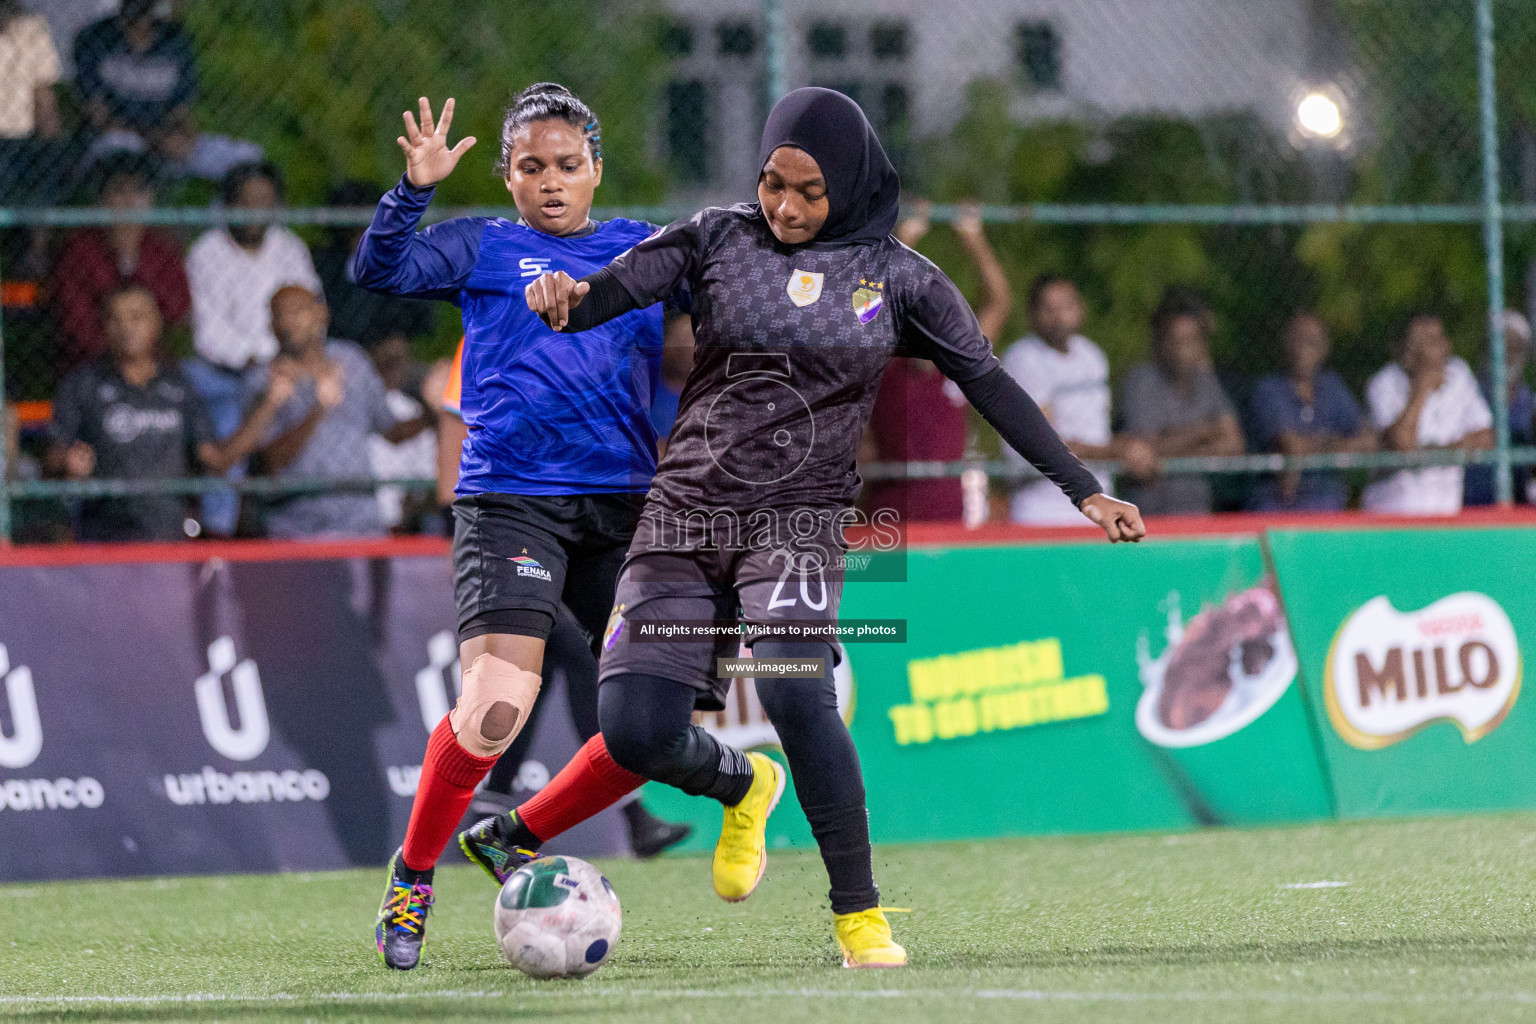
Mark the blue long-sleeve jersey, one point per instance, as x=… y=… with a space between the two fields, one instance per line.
x=547 y=413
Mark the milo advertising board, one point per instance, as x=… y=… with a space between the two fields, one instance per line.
x=1064 y=688
x=1412 y=643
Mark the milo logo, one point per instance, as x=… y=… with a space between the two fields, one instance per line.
x=1390 y=673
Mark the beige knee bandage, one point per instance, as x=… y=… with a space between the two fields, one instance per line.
x=493 y=705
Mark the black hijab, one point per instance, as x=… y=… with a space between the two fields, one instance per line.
x=863 y=191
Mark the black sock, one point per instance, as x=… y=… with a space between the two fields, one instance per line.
x=646 y=727
x=825 y=766
x=842 y=834
x=410 y=877
x=509 y=828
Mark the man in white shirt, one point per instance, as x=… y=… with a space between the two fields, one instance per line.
x=233 y=273
x=1068 y=376
x=1426 y=399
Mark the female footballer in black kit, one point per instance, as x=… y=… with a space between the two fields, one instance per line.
x=799 y=301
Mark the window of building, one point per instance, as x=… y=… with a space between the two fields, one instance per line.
x=1039 y=55
x=850 y=87
x=889 y=40
x=676 y=37
x=895 y=123
x=736 y=37
x=688 y=131
x=827 y=39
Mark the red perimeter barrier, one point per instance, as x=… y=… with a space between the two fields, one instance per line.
x=918 y=535
x=1224 y=525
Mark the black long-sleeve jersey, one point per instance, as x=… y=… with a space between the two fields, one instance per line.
x=791 y=344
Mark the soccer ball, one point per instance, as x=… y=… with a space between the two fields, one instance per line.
x=557 y=917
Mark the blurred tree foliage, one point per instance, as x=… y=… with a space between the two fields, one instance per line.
x=321 y=84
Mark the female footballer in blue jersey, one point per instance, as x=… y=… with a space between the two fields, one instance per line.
x=560 y=449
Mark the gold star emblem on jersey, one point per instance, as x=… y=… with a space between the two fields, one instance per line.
x=804 y=287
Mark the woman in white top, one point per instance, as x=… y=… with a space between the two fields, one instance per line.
x=1425 y=399
x=1068 y=376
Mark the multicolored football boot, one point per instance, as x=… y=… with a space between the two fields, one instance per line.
x=486 y=844
x=401 y=929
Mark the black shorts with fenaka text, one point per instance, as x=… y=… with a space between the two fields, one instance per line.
x=673 y=574
x=516 y=557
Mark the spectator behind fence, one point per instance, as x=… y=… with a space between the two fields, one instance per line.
x=1478 y=488
x=1306 y=410
x=920 y=414
x=131 y=415
x=1426 y=399
x=29 y=111
x=234 y=272
x=96 y=262
x=322 y=430
x=137 y=79
x=404 y=376
x=1068 y=376
x=1174 y=407
x=137 y=75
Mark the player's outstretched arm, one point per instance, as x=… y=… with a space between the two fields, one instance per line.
x=653 y=271
x=939 y=324
x=569 y=305
x=393 y=257
x=1020 y=423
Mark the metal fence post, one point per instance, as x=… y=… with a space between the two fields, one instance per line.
x=776 y=48
x=5 y=431
x=1493 y=242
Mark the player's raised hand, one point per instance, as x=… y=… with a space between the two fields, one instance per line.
x=553 y=296
x=428 y=160
x=1120 y=520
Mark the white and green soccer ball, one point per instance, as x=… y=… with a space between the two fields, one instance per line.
x=557 y=917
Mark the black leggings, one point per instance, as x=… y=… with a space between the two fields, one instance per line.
x=567 y=653
x=646 y=726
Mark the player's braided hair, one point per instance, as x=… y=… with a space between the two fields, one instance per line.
x=547 y=101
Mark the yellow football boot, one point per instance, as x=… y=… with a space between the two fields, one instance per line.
x=865 y=938
x=741 y=855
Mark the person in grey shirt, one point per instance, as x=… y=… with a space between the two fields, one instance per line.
x=1174 y=407
x=323 y=429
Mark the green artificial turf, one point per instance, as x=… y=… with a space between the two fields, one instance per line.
x=1435 y=923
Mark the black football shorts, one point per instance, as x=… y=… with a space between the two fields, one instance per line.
x=516 y=557
x=667 y=579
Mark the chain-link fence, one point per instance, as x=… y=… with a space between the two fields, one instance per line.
x=1345 y=157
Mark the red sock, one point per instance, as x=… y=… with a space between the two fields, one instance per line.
x=449 y=775
x=592 y=782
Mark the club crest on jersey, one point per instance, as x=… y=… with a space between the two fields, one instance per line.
x=615 y=627
x=804 y=287
x=528 y=566
x=868 y=297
